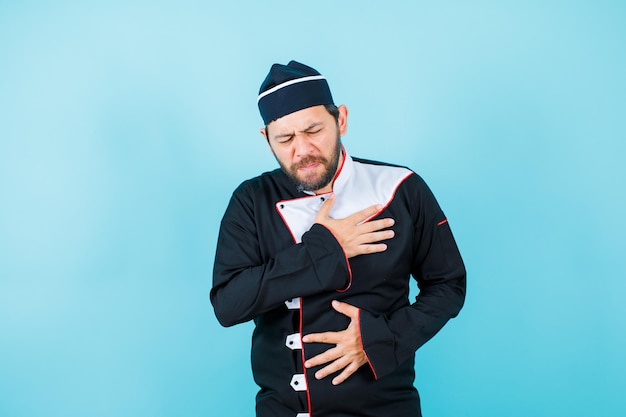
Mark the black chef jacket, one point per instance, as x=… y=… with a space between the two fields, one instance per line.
x=274 y=266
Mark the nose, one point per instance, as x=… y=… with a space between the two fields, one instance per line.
x=302 y=145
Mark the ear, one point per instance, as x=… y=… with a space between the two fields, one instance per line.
x=342 y=121
x=267 y=140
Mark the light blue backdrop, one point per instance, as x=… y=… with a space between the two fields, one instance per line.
x=124 y=128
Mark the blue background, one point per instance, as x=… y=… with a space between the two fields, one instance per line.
x=124 y=128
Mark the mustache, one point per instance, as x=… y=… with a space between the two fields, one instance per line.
x=310 y=160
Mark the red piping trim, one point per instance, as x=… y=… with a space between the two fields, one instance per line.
x=285 y=221
x=304 y=369
x=363 y=348
x=349 y=274
x=444 y=221
x=343 y=160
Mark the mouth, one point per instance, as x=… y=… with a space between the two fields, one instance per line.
x=309 y=166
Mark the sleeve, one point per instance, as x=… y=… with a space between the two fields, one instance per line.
x=391 y=339
x=245 y=285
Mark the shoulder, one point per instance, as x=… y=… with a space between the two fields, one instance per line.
x=254 y=196
x=408 y=184
x=370 y=162
x=261 y=184
x=263 y=190
x=410 y=177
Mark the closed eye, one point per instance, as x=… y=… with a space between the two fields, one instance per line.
x=313 y=129
x=283 y=138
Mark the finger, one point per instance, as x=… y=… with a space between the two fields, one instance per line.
x=376 y=225
x=345 y=374
x=326 y=337
x=346 y=309
x=324 y=211
x=332 y=368
x=325 y=357
x=364 y=214
x=375 y=236
x=367 y=249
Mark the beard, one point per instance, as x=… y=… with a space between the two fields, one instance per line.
x=314 y=181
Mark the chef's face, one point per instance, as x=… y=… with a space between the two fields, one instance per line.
x=307 y=145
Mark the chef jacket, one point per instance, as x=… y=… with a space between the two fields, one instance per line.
x=275 y=266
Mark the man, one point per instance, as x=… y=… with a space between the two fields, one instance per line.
x=319 y=254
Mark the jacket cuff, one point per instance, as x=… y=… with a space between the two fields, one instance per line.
x=328 y=258
x=378 y=344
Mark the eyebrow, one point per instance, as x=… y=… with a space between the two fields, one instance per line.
x=307 y=129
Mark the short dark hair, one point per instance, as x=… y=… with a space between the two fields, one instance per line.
x=330 y=108
x=333 y=110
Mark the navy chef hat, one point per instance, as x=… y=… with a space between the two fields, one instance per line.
x=289 y=88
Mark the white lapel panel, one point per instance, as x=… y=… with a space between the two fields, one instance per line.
x=358 y=186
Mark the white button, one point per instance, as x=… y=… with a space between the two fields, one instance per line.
x=298 y=383
x=293 y=304
x=293 y=341
x=302 y=415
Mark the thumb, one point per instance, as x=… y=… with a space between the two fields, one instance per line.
x=324 y=211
